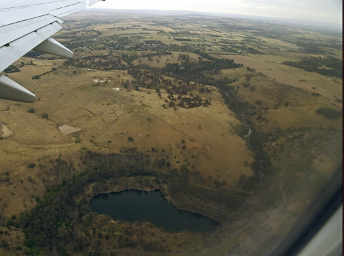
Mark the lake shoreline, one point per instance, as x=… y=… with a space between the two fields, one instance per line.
x=104 y=204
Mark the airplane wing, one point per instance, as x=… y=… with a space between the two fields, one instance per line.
x=27 y=25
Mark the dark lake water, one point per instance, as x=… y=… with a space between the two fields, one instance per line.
x=133 y=205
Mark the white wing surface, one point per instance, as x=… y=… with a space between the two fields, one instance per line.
x=29 y=24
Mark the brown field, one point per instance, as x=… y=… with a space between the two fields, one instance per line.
x=236 y=143
x=312 y=82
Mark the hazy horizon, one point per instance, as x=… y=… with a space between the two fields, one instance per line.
x=316 y=12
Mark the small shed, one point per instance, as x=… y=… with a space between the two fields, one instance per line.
x=68 y=130
x=5 y=132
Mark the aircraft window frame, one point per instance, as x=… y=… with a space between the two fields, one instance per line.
x=320 y=212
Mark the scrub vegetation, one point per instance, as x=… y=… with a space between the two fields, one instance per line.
x=228 y=118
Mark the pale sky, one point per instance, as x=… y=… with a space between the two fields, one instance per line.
x=321 y=11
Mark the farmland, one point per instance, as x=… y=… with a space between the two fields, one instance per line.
x=228 y=118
